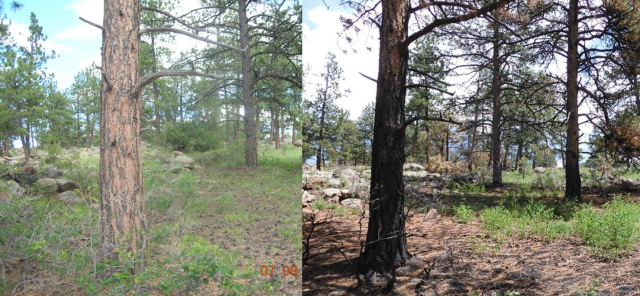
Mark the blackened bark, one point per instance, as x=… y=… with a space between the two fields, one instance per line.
x=122 y=217
x=497 y=109
x=572 y=168
x=386 y=244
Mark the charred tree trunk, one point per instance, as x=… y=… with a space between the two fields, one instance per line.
x=572 y=168
x=497 y=109
x=250 y=126
x=122 y=218
x=386 y=244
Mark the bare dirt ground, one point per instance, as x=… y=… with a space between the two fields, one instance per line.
x=456 y=259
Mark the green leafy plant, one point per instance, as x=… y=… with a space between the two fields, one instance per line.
x=613 y=230
x=464 y=213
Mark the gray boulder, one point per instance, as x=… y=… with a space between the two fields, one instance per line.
x=15 y=189
x=48 y=185
x=353 y=203
x=186 y=161
x=332 y=195
x=539 y=170
x=53 y=174
x=69 y=197
x=412 y=167
x=307 y=198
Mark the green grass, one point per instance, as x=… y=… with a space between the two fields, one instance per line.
x=64 y=240
x=609 y=232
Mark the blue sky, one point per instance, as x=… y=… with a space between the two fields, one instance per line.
x=320 y=35
x=76 y=43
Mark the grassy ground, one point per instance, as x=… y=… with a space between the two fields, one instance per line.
x=211 y=231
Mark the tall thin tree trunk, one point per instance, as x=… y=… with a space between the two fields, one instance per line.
x=122 y=213
x=236 y=124
x=276 y=128
x=474 y=136
x=386 y=243
x=271 y=126
x=293 y=131
x=90 y=128
x=572 y=170
x=414 y=140
x=282 y=125
x=250 y=126
x=497 y=108
x=228 y=124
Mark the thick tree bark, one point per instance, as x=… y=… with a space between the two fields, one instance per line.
x=572 y=168
x=250 y=126
x=386 y=244
x=497 y=109
x=122 y=218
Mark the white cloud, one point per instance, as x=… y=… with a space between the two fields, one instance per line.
x=91 y=10
x=87 y=61
x=20 y=33
x=83 y=31
x=324 y=38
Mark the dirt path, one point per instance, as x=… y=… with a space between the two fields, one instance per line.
x=454 y=259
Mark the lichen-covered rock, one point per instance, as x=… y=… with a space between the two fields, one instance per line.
x=69 y=197
x=48 y=185
x=353 y=203
x=15 y=189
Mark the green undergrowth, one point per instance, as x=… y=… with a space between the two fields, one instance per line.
x=62 y=241
x=610 y=231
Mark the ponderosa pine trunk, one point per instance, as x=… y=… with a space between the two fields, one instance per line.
x=250 y=125
x=572 y=168
x=497 y=109
x=386 y=243
x=122 y=218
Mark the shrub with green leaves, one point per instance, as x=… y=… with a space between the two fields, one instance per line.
x=464 y=213
x=611 y=231
x=499 y=221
